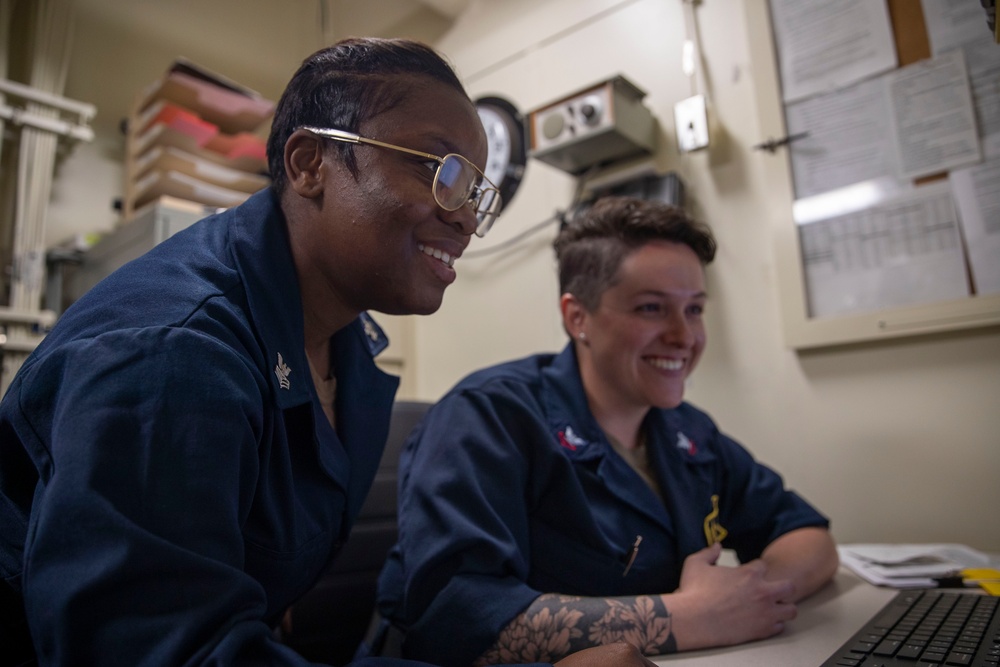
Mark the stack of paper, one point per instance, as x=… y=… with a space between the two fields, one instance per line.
x=909 y=565
x=194 y=136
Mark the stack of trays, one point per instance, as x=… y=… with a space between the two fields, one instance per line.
x=194 y=136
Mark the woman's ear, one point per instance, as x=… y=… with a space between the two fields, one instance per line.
x=574 y=316
x=304 y=164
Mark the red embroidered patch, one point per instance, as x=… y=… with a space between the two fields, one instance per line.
x=566 y=443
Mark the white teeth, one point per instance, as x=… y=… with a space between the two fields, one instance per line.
x=667 y=364
x=437 y=254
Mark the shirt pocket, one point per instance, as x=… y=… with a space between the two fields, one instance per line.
x=286 y=575
x=562 y=563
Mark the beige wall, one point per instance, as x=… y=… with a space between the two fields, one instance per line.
x=896 y=441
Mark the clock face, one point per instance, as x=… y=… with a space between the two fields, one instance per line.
x=507 y=151
x=498 y=143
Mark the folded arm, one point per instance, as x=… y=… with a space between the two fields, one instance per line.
x=807 y=557
x=714 y=606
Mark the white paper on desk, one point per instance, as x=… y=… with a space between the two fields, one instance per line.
x=903 y=251
x=823 y=46
x=908 y=565
x=848 y=139
x=977 y=195
x=956 y=24
x=934 y=125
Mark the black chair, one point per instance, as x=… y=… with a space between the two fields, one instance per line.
x=329 y=622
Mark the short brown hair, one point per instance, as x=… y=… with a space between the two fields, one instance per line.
x=591 y=247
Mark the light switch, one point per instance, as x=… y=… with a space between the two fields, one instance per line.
x=691 y=122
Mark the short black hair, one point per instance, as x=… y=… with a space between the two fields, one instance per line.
x=591 y=247
x=343 y=85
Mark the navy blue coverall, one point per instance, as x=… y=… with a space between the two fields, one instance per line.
x=510 y=489
x=168 y=481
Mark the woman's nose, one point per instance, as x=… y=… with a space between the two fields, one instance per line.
x=462 y=218
x=678 y=331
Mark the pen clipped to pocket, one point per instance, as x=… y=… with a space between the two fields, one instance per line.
x=631 y=554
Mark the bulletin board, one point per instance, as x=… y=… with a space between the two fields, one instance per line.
x=885 y=225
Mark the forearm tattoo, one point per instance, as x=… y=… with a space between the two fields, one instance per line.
x=555 y=626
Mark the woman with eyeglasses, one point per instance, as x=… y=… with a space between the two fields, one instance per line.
x=564 y=501
x=187 y=449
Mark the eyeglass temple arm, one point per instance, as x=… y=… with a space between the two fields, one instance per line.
x=338 y=135
x=352 y=138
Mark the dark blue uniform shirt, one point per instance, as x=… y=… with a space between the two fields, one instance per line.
x=509 y=489
x=168 y=481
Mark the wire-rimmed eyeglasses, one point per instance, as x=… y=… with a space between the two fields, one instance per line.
x=456 y=180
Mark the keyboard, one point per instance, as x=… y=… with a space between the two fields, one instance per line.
x=927 y=628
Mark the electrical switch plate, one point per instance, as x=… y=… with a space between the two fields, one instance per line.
x=691 y=122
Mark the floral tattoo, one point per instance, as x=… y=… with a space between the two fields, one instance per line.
x=555 y=626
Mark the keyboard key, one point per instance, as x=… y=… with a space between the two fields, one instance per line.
x=910 y=652
x=887 y=648
x=862 y=647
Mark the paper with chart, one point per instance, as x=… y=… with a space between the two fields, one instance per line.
x=823 y=46
x=900 y=252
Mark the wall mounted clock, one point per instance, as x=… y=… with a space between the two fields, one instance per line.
x=505 y=137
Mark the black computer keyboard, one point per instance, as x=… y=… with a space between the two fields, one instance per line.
x=926 y=628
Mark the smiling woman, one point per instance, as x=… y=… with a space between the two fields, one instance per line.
x=374 y=212
x=566 y=501
x=181 y=517
x=644 y=338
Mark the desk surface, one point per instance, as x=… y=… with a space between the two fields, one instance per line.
x=825 y=621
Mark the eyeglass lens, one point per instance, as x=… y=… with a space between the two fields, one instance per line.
x=456 y=181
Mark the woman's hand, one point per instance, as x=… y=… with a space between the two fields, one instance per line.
x=721 y=606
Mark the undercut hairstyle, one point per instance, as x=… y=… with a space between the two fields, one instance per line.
x=590 y=249
x=346 y=84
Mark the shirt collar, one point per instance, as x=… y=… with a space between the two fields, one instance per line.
x=263 y=257
x=567 y=410
x=570 y=419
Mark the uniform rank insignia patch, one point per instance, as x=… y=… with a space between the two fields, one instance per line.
x=570 y=440
x=282 y=371
x=685 y=444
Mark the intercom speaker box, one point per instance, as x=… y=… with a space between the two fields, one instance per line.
x=597 y=125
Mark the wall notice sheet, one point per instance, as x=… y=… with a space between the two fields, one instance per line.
x=823 y=46
x=956 y=24
x=977 y=193
x=848 y=138
x=934 y=125
x=915 y=121
x=903 y=251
